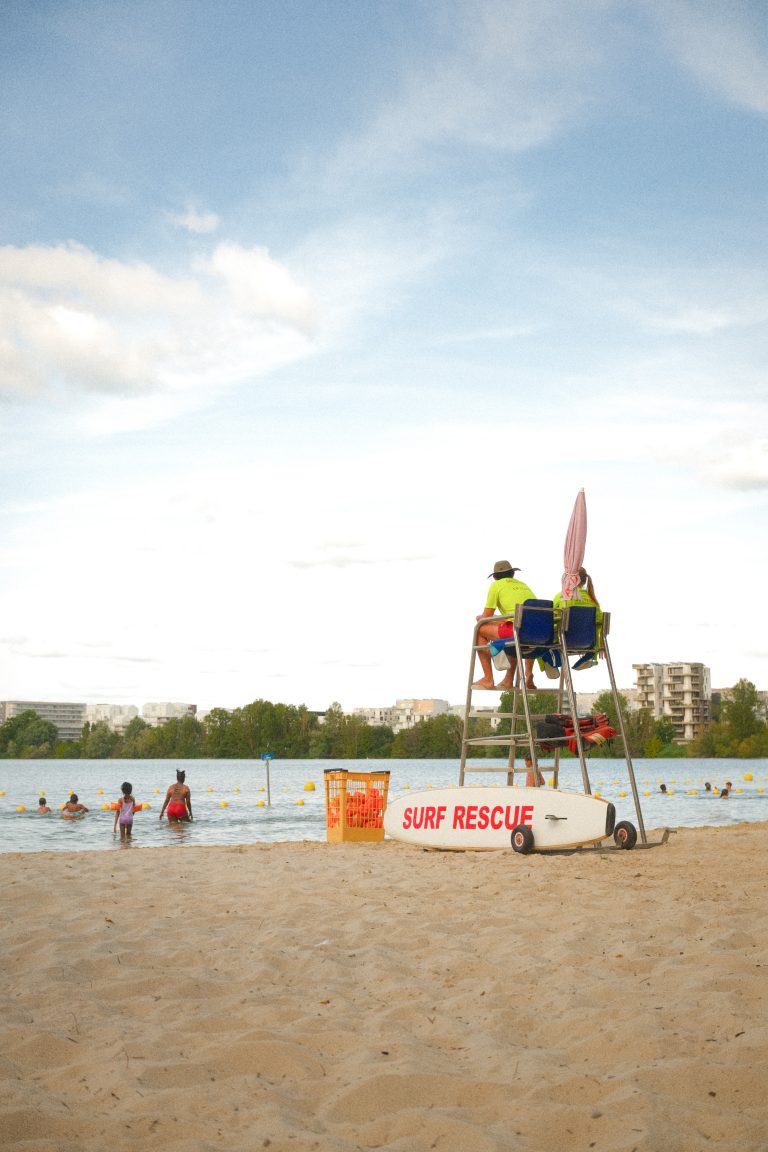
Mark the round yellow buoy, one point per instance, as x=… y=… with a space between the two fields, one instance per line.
x=41 y=792
x=259 y=803
x=2 y=793
x=739 y=790
x=760 y=789
x=99 y=792
x=21 y=808
x=300 y=802
x=646 y=793
x=404 y=786
x=235 y=789
x=261 y=789
x=598 y=796
x=155 y=791
x=309 y=786
x=145 y=806
x=622 y=794
x=210 y=789
x=105 y=807
x=747 y=776
x=223 y=803
x=691 y=791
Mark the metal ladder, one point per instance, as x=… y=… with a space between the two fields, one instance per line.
x=522 y=733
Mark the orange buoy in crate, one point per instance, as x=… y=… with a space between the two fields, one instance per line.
x=354 y=805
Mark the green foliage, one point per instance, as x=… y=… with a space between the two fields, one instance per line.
x=437 y=737
x=98 y=741
x=290 y=732
x=27 y=736
x=740 y=732
x=343 y=737
x=739 y=712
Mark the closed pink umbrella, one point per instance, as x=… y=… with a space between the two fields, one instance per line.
x=575 y=543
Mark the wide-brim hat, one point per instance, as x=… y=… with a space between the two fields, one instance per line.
x=502 y=566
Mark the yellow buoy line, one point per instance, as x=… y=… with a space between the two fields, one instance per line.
x=310 y=786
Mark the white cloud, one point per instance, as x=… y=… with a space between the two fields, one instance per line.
x=512 y=74
x=200 y=223
x=721 y=45
x=74 y=322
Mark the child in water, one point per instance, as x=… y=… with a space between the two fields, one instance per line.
x=42 y=807
x=124 y=811
x=73 y=809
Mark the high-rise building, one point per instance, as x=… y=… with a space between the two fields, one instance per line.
x=681 y=691
x=116 y=716
x=158 y=714
x=68 y=718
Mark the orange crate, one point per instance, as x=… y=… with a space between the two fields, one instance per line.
x=354 y=805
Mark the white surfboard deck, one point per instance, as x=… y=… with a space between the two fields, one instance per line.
x=483 y=818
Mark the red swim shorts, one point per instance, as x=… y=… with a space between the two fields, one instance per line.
x=506 y=630
x=176 y=811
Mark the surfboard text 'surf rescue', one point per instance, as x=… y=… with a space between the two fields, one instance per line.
x=472 y=817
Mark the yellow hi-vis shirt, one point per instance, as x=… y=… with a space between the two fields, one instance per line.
x=504 y=595
x=583 y=599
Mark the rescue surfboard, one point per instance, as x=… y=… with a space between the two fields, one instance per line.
x=462 y=818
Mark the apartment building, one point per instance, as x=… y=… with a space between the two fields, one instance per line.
x=681 y=691
x=115 y=716
x=404 y=713
x=158 y=714
x=68 y=718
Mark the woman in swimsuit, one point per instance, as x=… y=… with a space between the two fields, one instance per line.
x=178 y=800
x=124 y=812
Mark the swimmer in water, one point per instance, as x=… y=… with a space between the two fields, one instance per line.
x=42 y=807
x=73 y=808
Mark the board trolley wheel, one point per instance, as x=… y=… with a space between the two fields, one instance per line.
x=624 y=834
x=522 y=839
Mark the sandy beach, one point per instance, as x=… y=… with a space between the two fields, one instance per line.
x=339 y=997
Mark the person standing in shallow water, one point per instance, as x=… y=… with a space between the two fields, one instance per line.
x=124 y=812
x=178 y=800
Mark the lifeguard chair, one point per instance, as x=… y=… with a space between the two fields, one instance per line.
x=554 y=636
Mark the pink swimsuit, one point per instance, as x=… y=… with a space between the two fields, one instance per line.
x=125 y=819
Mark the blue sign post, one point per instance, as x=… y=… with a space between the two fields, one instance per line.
x=266 y=757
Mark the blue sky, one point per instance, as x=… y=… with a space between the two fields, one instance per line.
x=309 y=312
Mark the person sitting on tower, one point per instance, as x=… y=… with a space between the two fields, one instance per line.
x=503 y=597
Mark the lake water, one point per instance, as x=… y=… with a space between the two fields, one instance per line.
x=226 y=795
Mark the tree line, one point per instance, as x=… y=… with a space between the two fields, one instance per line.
x=292 y=732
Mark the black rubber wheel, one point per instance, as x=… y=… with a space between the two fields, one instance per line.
x=624 y=834
x=522 y=839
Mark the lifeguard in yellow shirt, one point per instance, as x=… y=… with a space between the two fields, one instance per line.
x=503 y=596
x=584 y=596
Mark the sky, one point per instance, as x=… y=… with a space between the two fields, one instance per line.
x=311 y=310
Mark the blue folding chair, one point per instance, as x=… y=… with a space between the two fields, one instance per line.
x=580 y=634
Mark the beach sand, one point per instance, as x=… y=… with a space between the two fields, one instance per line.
x=339 y=997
